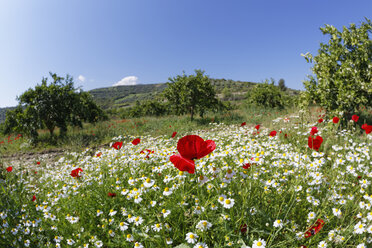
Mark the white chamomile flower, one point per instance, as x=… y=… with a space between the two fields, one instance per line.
x=191 y=238
x=203 y=225
x=228 y=203
x=278 y=223
x=260 y=243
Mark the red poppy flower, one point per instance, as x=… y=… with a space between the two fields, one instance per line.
x=33 y=198
x=313 y=131
x=136 y=141
x=76 y=172
x=273 y=133
x=183 y=164
x=355 y=118
x=246 y=166
x=194 y=147
x=320 y=120
x=191 y=147
x=111 y=194
x=9 y=169
x=367 y=128
x=117 y=145
x=257 y=127
x=314 y=143
x=243 y=124
x=243 y=228
x=335 y=119
x=314 y=229
x=174 y=134
x=99 y=154
x=37 y=162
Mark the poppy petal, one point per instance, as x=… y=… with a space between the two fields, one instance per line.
x=117 y=145
x=136 y=141
x=189 y=146
x=183 y=164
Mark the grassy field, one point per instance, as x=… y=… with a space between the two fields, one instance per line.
x=101 y=133
x=255 y=189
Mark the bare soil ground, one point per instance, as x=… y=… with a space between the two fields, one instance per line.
x=29 y=160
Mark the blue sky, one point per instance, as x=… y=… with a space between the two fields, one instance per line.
x=108 y=42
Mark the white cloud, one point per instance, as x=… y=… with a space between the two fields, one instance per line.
x=81 y=78
x=130 y=80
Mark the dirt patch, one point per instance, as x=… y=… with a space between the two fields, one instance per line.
x=30 y=160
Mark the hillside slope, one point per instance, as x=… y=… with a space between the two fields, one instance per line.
x=125 y=96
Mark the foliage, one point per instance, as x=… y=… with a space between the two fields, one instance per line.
x=58 y=104
x=266 y=95
x=226 y=94
x=281 y=84
x=3 y=113
x=147 y=108
x=342 y=68
x=191 y=94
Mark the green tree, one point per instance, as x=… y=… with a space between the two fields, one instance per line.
x=191 y=94
x=266 y=95
x=281 y=85
x=343 y=70
x=53 y=105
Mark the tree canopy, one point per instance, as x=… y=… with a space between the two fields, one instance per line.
x=266 y=95
x=191 y=94
x=57 y=104
x=343 y=70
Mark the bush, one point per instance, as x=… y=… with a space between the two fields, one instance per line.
x=266 y=95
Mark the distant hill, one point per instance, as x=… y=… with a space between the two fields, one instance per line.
x=125 y=96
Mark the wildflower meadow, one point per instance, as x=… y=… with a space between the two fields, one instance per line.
x=293 y=184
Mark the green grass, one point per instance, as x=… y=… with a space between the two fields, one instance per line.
x=287 y=188
x=102 y=133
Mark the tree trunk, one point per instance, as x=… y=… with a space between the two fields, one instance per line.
x=51 y=130
x=192 y=113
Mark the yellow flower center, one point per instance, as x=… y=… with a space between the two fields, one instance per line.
x=148 y=180
x=227 y=201
x=192 y=236
x=259 y=243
